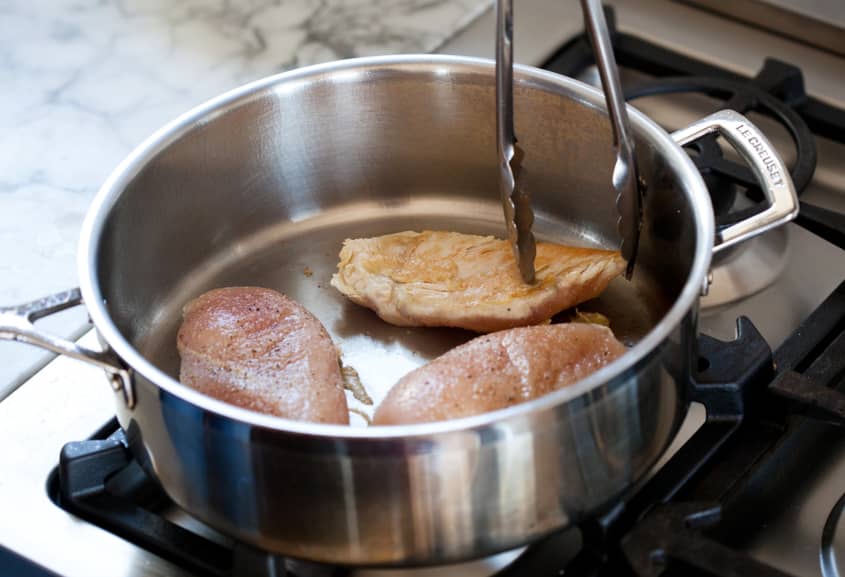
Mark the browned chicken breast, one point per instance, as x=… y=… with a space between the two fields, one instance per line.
x=498 y=370
x=258 y=349
x=459 y=280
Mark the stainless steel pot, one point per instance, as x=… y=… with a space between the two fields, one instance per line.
x=261 y=185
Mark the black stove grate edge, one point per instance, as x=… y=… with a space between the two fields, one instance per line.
x=14 y=564
x=100 y=481
x=631 y=51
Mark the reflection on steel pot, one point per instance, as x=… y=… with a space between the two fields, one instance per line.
x=253 y=186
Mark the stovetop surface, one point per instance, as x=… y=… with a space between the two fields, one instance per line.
x=69 y=401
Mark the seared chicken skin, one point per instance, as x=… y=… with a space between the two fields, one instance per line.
x=499 y=370
x=451 y=279
x=258 y=349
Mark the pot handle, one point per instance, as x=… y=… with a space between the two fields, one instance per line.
x=764 y=161
x=17 y=324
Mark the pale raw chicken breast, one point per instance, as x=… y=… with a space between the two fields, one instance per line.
x=450 y=279
x=258 y=349
x=499 y=370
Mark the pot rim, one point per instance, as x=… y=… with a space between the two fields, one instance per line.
x=356 y=70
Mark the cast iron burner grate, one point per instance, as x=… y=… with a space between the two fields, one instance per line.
x=766 y=417
x=100 y=481
x=777 y=91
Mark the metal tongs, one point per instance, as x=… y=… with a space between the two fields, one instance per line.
x=516 y=202
x=626 y=175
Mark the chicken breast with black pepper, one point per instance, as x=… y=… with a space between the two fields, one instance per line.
x=450 y=279
x=258 y=349
x=498 y=370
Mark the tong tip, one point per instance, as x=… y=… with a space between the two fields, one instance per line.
x=523 y=219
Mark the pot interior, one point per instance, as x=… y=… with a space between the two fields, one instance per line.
x=262 y=188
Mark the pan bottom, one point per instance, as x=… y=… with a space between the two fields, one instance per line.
x=298 y=257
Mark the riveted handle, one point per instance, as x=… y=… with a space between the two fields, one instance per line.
x=17 y=324
x=765 y=163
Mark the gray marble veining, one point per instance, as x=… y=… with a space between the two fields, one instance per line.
x=84 y=81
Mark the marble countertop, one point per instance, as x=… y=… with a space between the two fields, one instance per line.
x=82 y=82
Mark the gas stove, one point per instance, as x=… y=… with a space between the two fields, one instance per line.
x=753 y=483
